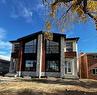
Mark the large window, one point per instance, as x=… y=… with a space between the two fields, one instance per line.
x=52 y=66
x=52 y=47
x=30 y=65
x=69 y=46
x=30 y=47
x=94 y=71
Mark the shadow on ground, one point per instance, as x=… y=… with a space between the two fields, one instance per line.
x=31 y=92
x=87 y=84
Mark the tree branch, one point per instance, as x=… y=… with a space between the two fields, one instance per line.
x=85 y=6
x=89 y=14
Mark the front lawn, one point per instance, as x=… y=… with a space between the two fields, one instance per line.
x=49 y=86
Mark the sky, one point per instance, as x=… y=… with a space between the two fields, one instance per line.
x=19 y=18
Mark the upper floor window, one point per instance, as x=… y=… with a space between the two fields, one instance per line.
x=52 y=47
x=69 y=46
x=30 y=47
x=94 y=71
x=94 y=56
x=16 y=47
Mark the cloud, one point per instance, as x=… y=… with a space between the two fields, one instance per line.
x=5 y=46
x=25 y=9
x=2 y=33
x=5 y=57
x=41 y=10
x=23 y=12
x=20 y=10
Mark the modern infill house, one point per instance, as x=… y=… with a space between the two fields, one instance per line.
x=35 y=55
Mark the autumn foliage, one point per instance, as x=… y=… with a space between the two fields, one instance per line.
x=65 y=11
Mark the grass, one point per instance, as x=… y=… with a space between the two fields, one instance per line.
x=50 y=86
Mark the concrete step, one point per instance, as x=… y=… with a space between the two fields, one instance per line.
x=71 y=77
x=10 y=75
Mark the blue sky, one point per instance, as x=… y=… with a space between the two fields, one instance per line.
x=21 y=17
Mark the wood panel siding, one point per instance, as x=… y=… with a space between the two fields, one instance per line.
x=70 y=54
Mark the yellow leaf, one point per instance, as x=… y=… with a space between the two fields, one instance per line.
x=48 y=25
x=92 y=6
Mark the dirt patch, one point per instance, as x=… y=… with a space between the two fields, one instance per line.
x=50 y=86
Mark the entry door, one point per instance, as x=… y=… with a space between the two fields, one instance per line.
x=68 y=67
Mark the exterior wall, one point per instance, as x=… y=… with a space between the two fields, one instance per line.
x=4 y=66
x=68 y=55
x=27 y=73
x=39 y=56
x=74 y=46
x=41 y=59
x=53 y=74
x=83 y=67
x=87 y=64
x=92 y=63
x=62 y=57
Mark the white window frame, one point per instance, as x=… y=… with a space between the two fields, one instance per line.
x=71 y=61
x=69 y=46
x=95 y=71
x=30 y=65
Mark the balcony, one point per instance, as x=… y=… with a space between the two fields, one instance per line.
x=70 y=54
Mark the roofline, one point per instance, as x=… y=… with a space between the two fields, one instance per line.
x=91 y=53
x=1 y=59
x=87 y=53
x=24 y=37
x=36 y=33
x=76 y=38
x=41 y=32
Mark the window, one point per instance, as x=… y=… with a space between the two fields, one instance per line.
x=95 y=57
x=30 y=47
x=52 y=66
x=68 y=67
x=52 y=47
x=94 y=71
x=69 y=46
x=16 y=47
x=30 y=65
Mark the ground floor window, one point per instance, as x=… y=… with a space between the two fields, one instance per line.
x=94 y=71
x=68 y=66
x=30 y=65
x=52 y=66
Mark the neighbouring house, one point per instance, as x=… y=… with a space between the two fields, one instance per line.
x=88 y=65
x=35 y=55
x=4 y=66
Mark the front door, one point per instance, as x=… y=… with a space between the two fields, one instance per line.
x=68 y=66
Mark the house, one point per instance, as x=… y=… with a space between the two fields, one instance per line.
x=41 y=55
x=4 y=66
x=88 y=65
